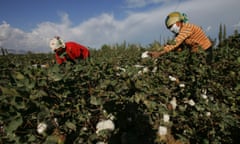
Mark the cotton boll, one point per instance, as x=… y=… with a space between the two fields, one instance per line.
x=181 y=85
x=204 y=96
x=138 y=66
x=105 y=125
x=101 y=143
x=118 y=74
x=121 y=69
x=44 y=66
x=41 y=128
x=191 y=102
x=162 y=130
x=154 y=69
x=140 y=72
x=35 y=65
x=55 y=122
x=84 y=128
x=173 y=103
x=204 y=91
x=208 y=114
x=166 y=118
x=111 y=116
x=172 y=78
x=145 y=70
x=145 y=54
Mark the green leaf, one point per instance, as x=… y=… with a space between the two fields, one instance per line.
x=19 y=76
x=71 y=125
x=37 y=94
x=8 y=91
x=56 y=77
x=238 y=59
x=15 y=122
x=95 y=100
x=18 y=102
x=31 y=138
x=151 y=105
x=51 y=140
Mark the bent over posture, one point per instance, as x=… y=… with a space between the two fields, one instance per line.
x=187 y=33
x=68 y=51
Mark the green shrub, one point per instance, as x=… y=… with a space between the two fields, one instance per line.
x=72 y=99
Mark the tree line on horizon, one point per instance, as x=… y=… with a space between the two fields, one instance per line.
x=222 y=41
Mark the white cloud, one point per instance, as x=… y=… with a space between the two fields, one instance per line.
x=208 y=28
x=4 y=31
x=237 y=25
x=142 y=3
x=137 y=27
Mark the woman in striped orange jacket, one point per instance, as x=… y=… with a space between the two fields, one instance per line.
x=187 y=33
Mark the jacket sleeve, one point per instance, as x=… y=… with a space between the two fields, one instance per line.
x=85 y=52
x=179 y=39
x=59 y=60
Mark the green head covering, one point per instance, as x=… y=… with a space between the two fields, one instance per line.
x=174 y=17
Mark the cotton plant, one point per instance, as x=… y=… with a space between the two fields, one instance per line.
x=144 y=70
x=204 y=94
x=42 y=127
x=182 y=85
x=171 y=78
x=162 y=130
x=154 y=70
x=121 y=69
x=40 y=66
x=138 y=66
x=108 y=115
x=173 y=103
x=104 y=129
x=191 y=102
x=145 y=55
x=208 y=114
x=175 y=79
x=166 y=118
x=100 y=142
x=105 y=125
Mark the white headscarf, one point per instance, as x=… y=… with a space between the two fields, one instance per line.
x=56 y=43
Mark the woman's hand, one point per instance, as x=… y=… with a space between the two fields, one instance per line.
x=156 y=54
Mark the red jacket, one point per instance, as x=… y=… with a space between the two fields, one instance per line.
x=74 y=51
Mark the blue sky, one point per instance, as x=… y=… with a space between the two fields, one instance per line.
x=26 y=14
x=30 y=24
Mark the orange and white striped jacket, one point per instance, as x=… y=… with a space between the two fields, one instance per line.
x=191 y=35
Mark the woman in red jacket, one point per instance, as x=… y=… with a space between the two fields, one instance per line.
x=68 y=51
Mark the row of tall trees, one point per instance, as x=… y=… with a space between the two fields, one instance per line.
x=231 y=41
x=222 y=33
x=4 y=51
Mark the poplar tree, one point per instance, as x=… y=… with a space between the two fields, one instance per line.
x=220 y=35
x=224 y=32
x=3 y=52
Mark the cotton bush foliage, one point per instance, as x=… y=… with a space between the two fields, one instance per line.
x=104 y=99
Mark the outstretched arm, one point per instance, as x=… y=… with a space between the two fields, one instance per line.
x=156 y=54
